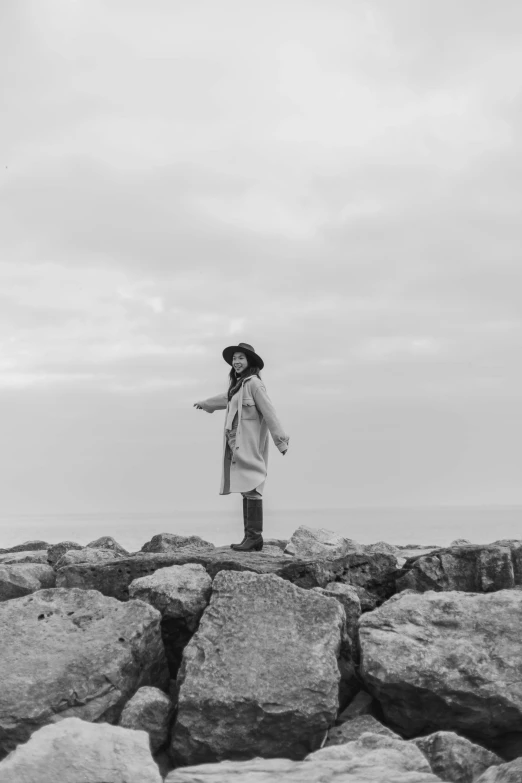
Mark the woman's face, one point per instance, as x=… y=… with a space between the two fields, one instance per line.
x=239 y=362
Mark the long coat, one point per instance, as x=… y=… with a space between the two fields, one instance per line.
x=246 y=469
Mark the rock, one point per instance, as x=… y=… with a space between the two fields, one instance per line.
x=27 y=546
x=149 y=710
x=353 y=729
x=85 y=555
x=55 y=552
x=73 y=653
x=31 y=556
x=372 y=574
x=371 y=759
x=383 y=548
x=169 y=542
x=446 y=661
x=461 y=542
x=505 y=773
x=280 y=543
x=349 y=600
x=361 y=704
x=180 y=593
x=23 y=579
x=114 y=578
x=455 y=758
x=318 y=543
x=107 y=542
x=469 y=568
x=74 y=751
x=260 y=675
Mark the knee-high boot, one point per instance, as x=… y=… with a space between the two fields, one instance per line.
x=235 y=546
x=254 y=527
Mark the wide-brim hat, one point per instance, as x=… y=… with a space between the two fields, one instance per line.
x=245 y=348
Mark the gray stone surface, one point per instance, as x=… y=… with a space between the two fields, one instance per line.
x=23 y=579
x=505 y=773
x=446 y=661
x=470 y=568
x=114 y=578
x=319 y=543
x=73 y=653
x=260 y=675
x=150 y=710
x=176 y=591
x=361 y=704
x=29 y=556
x=55 y=551
x=349 y=600
x=371 y=759
x=108 y=542
x=74 y=751
x=27 y=546
x=454 y=758
x=353 y=729
x=87 y=555
x=170 y=542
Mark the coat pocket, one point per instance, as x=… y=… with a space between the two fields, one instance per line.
x=249 y=410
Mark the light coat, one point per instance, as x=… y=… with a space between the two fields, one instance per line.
x=247 y=468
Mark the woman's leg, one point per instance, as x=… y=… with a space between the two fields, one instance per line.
x=253 y=540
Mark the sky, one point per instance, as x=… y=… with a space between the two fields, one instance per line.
x=335 y=182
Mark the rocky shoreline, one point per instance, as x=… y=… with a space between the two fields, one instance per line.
x=317 y=659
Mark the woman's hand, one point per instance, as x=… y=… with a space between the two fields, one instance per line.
x=284 y=452
x=198 y=406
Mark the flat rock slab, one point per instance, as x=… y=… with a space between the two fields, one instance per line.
x=455 y=759
x=470 y=568
x=73 y=751
x=24 y=578
x=372 y=759
x=87 y=555
x=27 y=546
x=446 y=661
x=68 y=653
x=260 y=676
x=113 y=578
x=171 y=542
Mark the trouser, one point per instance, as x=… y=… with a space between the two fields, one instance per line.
x=253 y=494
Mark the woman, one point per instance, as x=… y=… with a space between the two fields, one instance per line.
x=250 y=416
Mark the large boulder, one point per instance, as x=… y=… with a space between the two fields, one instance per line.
x=114 y=578
x=149 y=710
x=371 y=759
x=505 y=773
x=180 y=593
x=74 y=751
x=23 y=556
x=455 y=758
x=260 y=675
x=470 y=568
x=55 y=551
x=68 y=653
x=23 y=579
x=349 y=600
x=446 y=661
x=108 y=542
x=319 y=543
x=170 y=542
x=87 y=555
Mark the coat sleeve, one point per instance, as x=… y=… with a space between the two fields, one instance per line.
x=265 y=407
x=217 y=403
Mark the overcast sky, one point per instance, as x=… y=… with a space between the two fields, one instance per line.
x=336 y=182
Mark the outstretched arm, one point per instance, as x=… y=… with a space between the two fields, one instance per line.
x=264 y=404
x=217 y=403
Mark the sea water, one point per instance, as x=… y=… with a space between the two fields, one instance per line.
x=437 y=525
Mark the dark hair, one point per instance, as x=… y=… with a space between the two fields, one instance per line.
x=235 y=381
